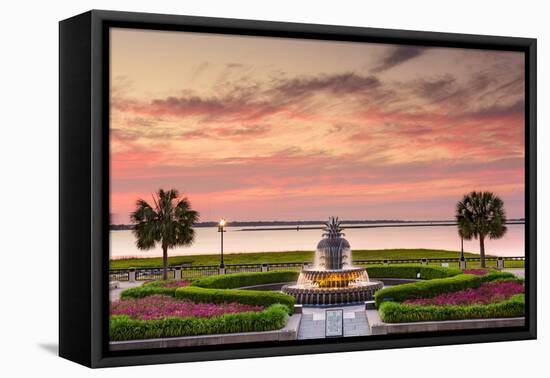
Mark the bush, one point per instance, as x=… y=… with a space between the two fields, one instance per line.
x=122 y=327
x=494 y=275
x=230 y=281
x=217 y=289
x=147 y=289
x=427 y=272
x=393 y=312
x=251 y=297
x=427 y=289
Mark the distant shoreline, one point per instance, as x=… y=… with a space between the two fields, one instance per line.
x=294 y=257
x=296 y=224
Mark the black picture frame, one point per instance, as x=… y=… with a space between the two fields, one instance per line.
x=84 y=186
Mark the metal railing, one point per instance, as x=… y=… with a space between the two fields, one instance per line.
x=193 y=272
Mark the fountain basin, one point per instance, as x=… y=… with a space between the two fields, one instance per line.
x=317 y=296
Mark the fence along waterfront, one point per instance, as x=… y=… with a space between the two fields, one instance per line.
x=192 y=272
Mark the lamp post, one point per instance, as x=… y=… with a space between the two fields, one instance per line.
x=462 y=263
x=221 y=230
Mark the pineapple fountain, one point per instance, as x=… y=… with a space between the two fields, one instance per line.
x=333 y=280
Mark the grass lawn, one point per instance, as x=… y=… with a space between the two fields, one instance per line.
x=298 y=256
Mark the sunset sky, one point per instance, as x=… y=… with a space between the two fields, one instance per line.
x=253 y=128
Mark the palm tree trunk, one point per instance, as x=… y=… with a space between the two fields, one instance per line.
x=164 y=262
x=482 y=250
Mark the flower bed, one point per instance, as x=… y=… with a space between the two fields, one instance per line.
x=435 y=287
x=486 y=293
x=476 y=272
x=250 y=297
x=162 y=306
x=394 y=312
x=202 y=291
x=123 y=327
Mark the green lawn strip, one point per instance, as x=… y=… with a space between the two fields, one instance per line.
x=394 y=312
x=122 y=327
x=283 y=257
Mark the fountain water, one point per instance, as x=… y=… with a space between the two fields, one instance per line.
x=333 y=280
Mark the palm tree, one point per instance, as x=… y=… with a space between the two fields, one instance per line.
x=481 y=214
x=169 y=222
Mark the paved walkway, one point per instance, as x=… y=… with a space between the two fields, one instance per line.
x=114 y=294
x=519 y=272
x=312 y=325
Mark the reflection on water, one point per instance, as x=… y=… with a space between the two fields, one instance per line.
x=435 y=237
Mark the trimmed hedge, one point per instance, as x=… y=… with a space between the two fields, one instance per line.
x=427 y=289
x=251 y=297
x=427 y=272
x=230 y=281
x=146 y=290
x=122 y=327
x=393 y=312
x=495 y=275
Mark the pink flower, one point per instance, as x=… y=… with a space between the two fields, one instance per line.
x=477 y=272
x=487 y=293
x=162 y=306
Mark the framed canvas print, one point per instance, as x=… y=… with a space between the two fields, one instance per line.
x=234 y=188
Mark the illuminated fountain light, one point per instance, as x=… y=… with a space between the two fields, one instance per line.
x=333 y=280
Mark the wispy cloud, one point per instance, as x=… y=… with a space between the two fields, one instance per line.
x=399 y=55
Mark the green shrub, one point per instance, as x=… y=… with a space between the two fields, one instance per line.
x=393 y=312
x=146 y=290
x=251 y=297
x=231 y=281
x=218 y=289
x=427 y=289
x=427 y=272
x=157 y=283
x=495 y=275
x=122 y=327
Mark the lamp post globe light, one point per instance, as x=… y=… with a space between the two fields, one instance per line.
x=221 y=230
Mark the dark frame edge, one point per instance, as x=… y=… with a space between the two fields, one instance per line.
x=531 y=180
x=75 y=307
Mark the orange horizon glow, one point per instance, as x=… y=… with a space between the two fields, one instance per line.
x=252 y=128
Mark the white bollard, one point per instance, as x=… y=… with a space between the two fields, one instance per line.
x=177 y=273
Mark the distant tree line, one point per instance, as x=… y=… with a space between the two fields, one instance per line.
x=118 y=227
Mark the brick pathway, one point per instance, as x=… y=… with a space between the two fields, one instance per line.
x=312 y=325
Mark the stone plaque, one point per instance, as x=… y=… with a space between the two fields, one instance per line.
x=334 y=323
